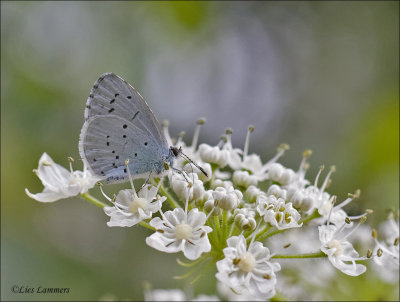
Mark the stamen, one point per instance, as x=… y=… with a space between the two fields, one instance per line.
x=359 y=216
x=247 y=141
x=279 y=250
x=209 y=214
x=160 y=182
x=255 y=233
x=130 y=178
x=280 y=151
x=331 y=170
x=330 y=211
x=122 y=212
x=228 y=134
x=70 y=160
x=355 y=228
x=223 y=141
x=102 y=192
x=303 y=163
x=321 y=168
x=180 y=138
x=349 y=199
x=196 y=134
x=341 y=228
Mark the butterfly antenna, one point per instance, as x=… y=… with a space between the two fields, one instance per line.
x=196 y=165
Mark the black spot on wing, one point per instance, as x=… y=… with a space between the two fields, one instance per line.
x=135 y=115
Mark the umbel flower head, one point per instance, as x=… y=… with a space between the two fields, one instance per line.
x=225 y=213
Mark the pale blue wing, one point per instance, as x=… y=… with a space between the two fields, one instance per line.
x=106 y=142
x=111 y=95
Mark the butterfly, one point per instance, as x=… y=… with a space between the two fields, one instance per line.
x=120 y=126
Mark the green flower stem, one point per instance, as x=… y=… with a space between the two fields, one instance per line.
x=212 y=236
x=146 y=225
x=93 y=200
x=310 y=255
x=262 y=232
x=315 y=214
x=217 y=227
x=170 y=199
x=225 y=223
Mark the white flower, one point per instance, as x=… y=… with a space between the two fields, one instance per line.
x=129 y=209
x=244 y=218
x=311 y=197
x=213 y=155
x=251 y=194
x=248 y=270
x=244 y=179
x=277 y=191
x=340 y=252
x=221 y=183
x=227 y=198
x=190 y=188
x=60 y=183
x=388 y=262
x=300 y=199
x=278 y=213
x=209 y=204
x=279 y=173
x=178 y=231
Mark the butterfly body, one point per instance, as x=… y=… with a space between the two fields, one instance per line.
x=120 y=126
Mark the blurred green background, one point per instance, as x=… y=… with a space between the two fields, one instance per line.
x=317 y=75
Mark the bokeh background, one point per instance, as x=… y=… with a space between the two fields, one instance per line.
x=317 y=75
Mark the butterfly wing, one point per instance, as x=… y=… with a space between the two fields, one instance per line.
x=112 y=95
x=119 y=125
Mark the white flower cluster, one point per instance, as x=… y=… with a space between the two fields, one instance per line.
x=227 y=211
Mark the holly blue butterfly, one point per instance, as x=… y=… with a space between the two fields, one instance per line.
x=120 y=126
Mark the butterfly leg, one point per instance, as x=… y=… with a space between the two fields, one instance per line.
x=181 y=172
x=145 y=183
